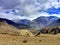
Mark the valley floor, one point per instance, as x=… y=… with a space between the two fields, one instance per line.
x=43 y=39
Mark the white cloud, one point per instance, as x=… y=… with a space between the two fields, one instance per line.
x=33 y=6
x=32 y=17
x=31 y=9
x=28 y=6
x=52 y=3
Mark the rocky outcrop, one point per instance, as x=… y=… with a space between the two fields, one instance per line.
x=48 y=30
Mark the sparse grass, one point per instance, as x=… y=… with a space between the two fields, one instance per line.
x=44 y=39
x=25 y=37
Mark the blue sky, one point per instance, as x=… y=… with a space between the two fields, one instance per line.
x=53 y=10
x=29 y=9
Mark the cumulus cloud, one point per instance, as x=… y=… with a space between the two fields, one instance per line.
x=28 y=6
x=53 y=3
x=32 y=17
x=32 y=6
x=27 y=9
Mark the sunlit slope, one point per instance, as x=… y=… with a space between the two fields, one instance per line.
x=11 y=30
x=8 y=29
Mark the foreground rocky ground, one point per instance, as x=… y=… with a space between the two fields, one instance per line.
x=42 y=39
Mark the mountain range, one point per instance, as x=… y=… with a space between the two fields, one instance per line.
x=17 y=25
x=42 y=22
x=55 y=23
x=36 y=24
